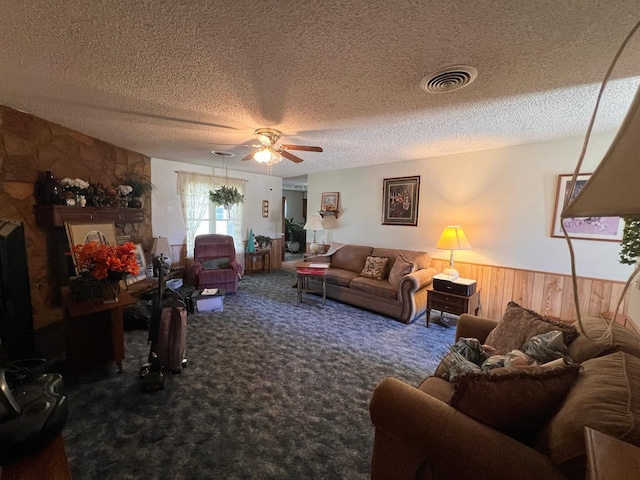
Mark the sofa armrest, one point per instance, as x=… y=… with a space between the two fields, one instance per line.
x=427 y=430
x=414 y=281
x=470 y=326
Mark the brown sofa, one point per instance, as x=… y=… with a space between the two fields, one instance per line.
x=345 y=280
x=420 y=435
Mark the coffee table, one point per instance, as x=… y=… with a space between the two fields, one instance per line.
x=307 y=270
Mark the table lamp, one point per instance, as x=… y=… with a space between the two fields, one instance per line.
x=453 y=238
x=314 y=223
x=161 y=247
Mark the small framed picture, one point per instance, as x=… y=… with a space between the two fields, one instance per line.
x=142 y=275
x=584 y=228
x=400 y=201
x=81 y=233
x=330 y=201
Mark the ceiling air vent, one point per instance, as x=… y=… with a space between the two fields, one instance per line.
x=219 y=153
x=449 y=79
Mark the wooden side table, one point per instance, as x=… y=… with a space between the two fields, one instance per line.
x=50 y=462
x=609 y=458
x=450 y=303
x=93 y=330
x=250 y=260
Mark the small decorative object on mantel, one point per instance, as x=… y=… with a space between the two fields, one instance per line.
x=140 y=185
x=101 y=268
x=71 y=190
x=124 y=193
x=47 y=189
x=226 y=197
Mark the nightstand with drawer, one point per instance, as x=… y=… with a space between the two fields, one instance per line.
x=451 y=303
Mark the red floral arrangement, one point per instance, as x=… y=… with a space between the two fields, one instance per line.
x=107 y=261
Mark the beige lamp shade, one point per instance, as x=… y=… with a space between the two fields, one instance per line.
x=453 y=238
x=314 y=223
x=161 y=246
x=612 y=190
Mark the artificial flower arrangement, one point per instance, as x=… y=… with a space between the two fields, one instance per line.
x=106 y=261
x=123 y=191
x=75 y=184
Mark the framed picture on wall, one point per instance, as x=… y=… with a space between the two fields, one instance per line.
x=584 y=228
x=330 y=201
x=400 y=198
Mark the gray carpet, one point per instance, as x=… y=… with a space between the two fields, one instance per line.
x=272 y=391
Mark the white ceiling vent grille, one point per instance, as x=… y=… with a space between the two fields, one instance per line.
x=449 y=79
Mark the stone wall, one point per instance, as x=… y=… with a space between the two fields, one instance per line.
x=30 y=145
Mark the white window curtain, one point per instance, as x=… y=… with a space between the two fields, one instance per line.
x=194 y=189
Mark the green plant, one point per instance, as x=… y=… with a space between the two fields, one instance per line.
x=295 y=232
x=264 y=241
x=140 y=184
x=630 y=250
x=226 y=197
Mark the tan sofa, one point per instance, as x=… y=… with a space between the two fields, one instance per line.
x=419 y=435
x=345 y=282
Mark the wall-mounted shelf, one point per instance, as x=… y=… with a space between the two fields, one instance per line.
x=330 y=213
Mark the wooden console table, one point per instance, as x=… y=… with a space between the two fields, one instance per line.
x=94 y=331
x=250 y=261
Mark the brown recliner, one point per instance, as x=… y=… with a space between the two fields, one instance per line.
x=214 y=263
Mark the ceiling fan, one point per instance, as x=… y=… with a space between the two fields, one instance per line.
x=270 y=152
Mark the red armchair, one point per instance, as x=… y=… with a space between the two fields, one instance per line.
x=214 y=263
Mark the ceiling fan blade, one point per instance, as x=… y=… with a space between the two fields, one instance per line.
x=249 y=157
x=301 y=147
x=290 y=156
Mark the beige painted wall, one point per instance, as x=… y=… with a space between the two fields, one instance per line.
x=503 y=198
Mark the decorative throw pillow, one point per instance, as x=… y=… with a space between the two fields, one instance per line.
x=517 y=401
x=216 y=263
x=519 y=324
x=374 y=267
x=400 y=268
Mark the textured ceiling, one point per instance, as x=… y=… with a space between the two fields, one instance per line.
x=175 y=80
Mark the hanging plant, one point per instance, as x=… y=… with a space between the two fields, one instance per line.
x=226 y=197
x=630 y=250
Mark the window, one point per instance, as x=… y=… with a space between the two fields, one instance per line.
x=201 y=216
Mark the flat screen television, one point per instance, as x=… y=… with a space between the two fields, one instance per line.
x=16 y=317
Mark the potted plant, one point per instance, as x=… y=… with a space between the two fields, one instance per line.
x=226 y=197
x=263 y=241
x=140 y=187
x=630 y=244
x=295 y=235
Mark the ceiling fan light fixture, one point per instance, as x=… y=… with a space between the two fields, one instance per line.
x=267 y=155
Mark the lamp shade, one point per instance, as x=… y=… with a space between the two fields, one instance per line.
x=314 y=223
x=453 y=238
x=161 y=246
x=612 y=190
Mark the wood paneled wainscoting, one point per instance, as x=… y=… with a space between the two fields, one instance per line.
x=550 y=294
